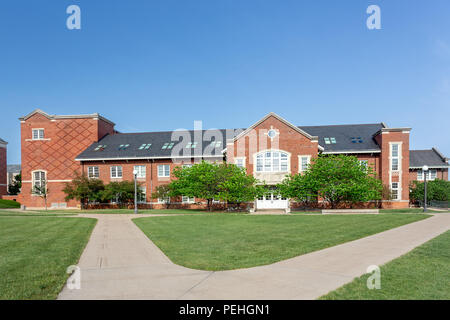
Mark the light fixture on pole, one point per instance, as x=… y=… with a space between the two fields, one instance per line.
x=135 y=191
x=425 y=173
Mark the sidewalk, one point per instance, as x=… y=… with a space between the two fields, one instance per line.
x=120 y=262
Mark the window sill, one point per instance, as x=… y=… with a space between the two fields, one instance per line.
x=45 y=139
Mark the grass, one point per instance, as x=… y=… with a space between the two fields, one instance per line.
x=406 y=210
x=35 y=253
x=129 y=211
x=223 y=242
x=8 y=204
x=6 y=213
x=422 y=274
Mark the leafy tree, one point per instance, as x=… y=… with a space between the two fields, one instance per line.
x=84 y=189
x=165 y=192
x=121 y=192
x=335 y=179
x=41 y=191
x=201 y=181
x=14 y=188
x=437 y=190
x=236 y=186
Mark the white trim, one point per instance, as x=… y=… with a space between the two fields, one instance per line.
x=164 y=170
x=300 y=156
x=432 y=167
x=400 y=167
x=272 y=114
x=45 y=139
x=255 y=161
x=94 y=116
x=145 y=158
x=117 y=172
x=351 y=151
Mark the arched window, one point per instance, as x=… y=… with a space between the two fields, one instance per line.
x=38 y=181
x=272 y=161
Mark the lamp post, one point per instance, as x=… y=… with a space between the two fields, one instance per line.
x=135 y=191
x=425 y=173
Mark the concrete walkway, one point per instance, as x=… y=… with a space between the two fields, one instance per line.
x=120 y=262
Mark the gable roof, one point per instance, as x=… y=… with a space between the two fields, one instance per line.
x=55 y=117
x=432 y=158
x=351 y=138
x=157 y=140
x=272 y=114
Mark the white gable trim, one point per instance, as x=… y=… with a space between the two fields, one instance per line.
x=272 y=114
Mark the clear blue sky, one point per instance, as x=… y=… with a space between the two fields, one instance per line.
x=159 y=65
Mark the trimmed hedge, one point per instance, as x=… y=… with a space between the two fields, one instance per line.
x=8 y=204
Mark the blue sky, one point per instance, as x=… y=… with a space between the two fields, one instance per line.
x=159 y=65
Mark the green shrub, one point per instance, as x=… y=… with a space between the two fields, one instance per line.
x=8 y=204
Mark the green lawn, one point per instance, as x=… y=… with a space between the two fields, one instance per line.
x=224 y=242
x=35 y=253
x=128 y=211
x=423 y=273
x=7 y=204
x=406 y=210
x=7 y=213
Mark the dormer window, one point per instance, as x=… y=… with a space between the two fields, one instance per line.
x=123 y=146
x=357 y=140
x=216 y=144
x=330 y=140
x=100 y=147
x=145 y=146
x=168 y=145
x=38 y=134
x=191 y=145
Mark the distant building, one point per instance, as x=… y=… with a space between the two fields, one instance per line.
x=3 y=178
x=12 y=171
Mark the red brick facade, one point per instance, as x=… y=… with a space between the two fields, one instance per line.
x=65 y=137
x=3 y=176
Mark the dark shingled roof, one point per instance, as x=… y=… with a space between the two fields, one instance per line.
x=3 y=141
x=157 y=139
x=361 y=134
x=349 y=138
x=431 y=158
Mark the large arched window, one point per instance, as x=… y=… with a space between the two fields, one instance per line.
x=272 y=161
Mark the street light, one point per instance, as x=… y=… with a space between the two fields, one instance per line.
x=425 y=172
x=135 y=191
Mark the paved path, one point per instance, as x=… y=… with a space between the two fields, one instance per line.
x=120 y=262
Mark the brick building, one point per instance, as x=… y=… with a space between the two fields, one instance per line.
x=3 y=175
x=53 y=147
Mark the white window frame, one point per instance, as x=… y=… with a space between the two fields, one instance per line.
x=40 y=134
x=398 y=189
x=398 y=157
x=38 y=181
x=93 y=172
x=164 y=172
x=164 y=200
x=421 y=177
x=186 y=199
x=262 y=156
x=143 y=197
x=116 y=170
x=300 y=162
x=141 y=171
x=240 y=159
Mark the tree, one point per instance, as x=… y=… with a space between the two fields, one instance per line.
x=41 y=191
x=84 y=189
x=201 y=181
x=121 y=192
x=236 y=186
x=437 y=190
x=163 y=192
x=14 y=188
x=335 y=179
